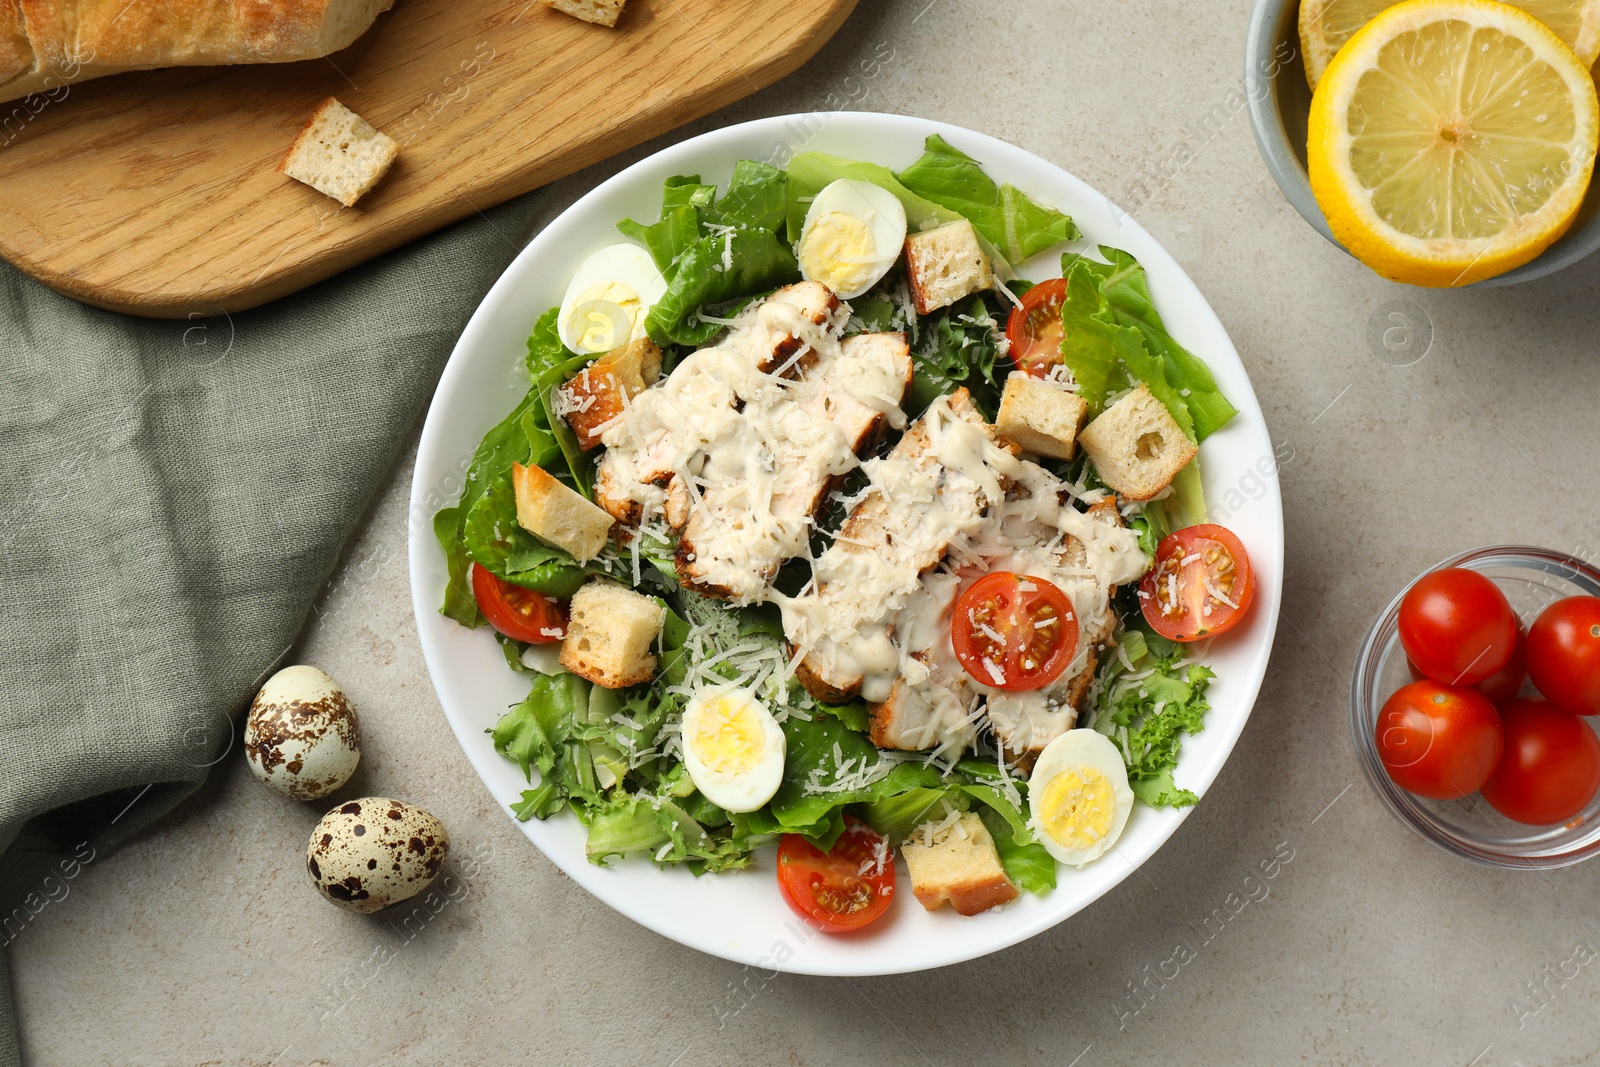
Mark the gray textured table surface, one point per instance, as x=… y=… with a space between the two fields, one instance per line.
x=204 y=942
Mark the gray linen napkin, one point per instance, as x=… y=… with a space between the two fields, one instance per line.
x=173 y=495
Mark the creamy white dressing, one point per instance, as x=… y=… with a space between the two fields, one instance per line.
x=936 y=487
x=756 y=436
x=751 y=431
x=1034 y=532
x=884 y=618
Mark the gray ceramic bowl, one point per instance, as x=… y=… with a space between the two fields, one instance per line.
x=1280 y=101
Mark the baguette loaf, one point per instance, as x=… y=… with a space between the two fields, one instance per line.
x=45 y=44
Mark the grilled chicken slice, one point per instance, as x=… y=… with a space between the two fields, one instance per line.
x=801 y=441
x=934 y=488
x=644 y=451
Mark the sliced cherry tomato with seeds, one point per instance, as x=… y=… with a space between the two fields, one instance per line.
x=1035 y=329
x=521 y=614
x=843 y=889
x=1014 y=631
x=1201 y=584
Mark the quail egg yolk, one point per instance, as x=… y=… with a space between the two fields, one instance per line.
x=606 y=316
x=728 y=738
x=1077 y=808
x=837 y=249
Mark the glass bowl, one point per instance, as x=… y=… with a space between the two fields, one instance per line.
x=1531 y=579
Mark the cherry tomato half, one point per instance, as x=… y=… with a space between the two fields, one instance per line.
x=1457 y=626
x=1551 y=766
x=1014 y=631
x=520 y=614
x=1438 y=741
x=1200 y=586
x=1035 y=329
x=1503 y=686
x=1564 y=654
x=842 y=889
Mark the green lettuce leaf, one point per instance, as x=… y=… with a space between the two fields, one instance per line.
x=956 y=347
x=501 y=446
x=896 y=816
x=531 y=734
x=1148 y=718
x=812 y=763
x=529 y=436
x=493 y=539
x=1027 y=863
x=459 y=603
x=1017 y=225
x=757 y=198
x=664 y=828
x=1114 y=337
x=714 y=251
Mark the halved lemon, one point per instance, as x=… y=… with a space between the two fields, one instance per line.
x=1325 y=26
x=1452 y=140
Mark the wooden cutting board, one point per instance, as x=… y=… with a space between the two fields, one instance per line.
x=157 y=193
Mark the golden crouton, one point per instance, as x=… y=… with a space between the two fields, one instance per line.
x=1137 y=446
x=1040 y=416
x=611 y=631
x=945 y=264
x=555 y=513
x=959 y=866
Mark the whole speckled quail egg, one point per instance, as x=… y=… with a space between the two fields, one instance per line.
x=302 y=737
x=369 y=853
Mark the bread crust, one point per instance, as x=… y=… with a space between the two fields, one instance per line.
x=74 y=40
x=968 y=898
x=961 y=867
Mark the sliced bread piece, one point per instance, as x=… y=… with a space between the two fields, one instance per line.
x=611 y=631
x=1137 y=446
x=955 y=862
x=556 y=513
x=599 y=12
x=339 y=153
x=945 y=264
x=1040 y=416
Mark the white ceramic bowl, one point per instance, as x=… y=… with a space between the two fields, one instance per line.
x=740 y=916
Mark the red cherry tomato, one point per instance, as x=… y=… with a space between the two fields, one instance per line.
x=1564 y=654
x=1014 y=631
x=1457 y=626
x=520 y=614
x=1503 y=685
x=1438 y=741
x=1551 y=766
x=1035 y=329
x=842 y=889
x=1200 y=586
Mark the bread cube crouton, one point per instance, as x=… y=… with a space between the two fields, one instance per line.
x=1137 y=446
x=1040 y=416
x=339 y=153
x=557 y=514
x=957 y=864
x=594 y=397
x=600 y=12
x=611 y=631
x=945 y=264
